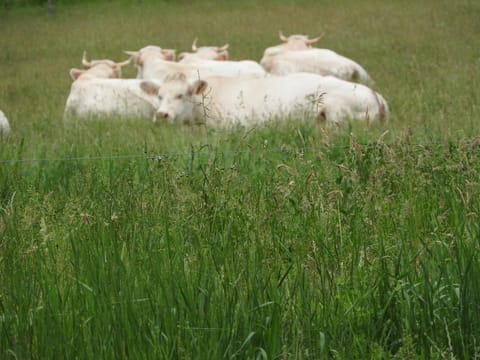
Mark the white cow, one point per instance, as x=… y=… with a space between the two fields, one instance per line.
x=205 y=52
x=318 y=61
x=224 y=101
x=4 y=125
x=292 y=43
x=150 y=55
x=99 y=98
x=199 y=68
x=103 y=68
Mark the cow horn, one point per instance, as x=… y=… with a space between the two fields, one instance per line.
x=223 y=48
x=314 y=40
x=123 y=63
x=282 y=37
x=131 y=53
x=194 y=45
x=84 y=60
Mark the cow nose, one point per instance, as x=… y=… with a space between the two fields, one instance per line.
x=162 y=115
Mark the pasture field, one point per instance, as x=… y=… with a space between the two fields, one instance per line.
x=125 y=239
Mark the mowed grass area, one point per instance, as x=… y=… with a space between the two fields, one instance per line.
x=121 y=239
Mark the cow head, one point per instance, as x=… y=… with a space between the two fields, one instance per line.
x=103 y=68
x=115 y=66
x=149 y=54
x=206 y=52
x=211 y=52
x=180 y=100
x=299 y=42
x=151 y=51
x=291 y=43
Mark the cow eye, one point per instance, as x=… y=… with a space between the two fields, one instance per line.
x=179 y=96
x=160 y=97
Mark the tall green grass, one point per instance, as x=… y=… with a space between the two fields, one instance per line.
x=125 y=239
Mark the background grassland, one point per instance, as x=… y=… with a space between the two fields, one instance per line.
x=284 y=241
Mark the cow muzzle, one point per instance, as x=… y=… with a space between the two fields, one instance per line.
x=162 y=116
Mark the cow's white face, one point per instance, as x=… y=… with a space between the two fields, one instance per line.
x=179 y=100
x=205 y=53
x=97 y=71
x=212 y=53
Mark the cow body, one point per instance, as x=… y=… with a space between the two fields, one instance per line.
x=224 y=101
x=4 y=125
x=99 y=98
x=317 y=61
x=200 y=68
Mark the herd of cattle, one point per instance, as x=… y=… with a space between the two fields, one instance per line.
x=292 y=80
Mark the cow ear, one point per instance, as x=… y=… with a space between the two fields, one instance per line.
x=75 y=73
x=149 y=87
x=198 y=87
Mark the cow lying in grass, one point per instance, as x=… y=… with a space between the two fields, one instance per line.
x=99 y=98
x=296 y=54
x=230 y=101
x=156 y=68
x=4 y=125
x=317 y=61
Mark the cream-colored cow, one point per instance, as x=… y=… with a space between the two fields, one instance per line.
x=4 y=125
x=96 y=69
x=230 y=101
x=317 y=61
x=116 y=98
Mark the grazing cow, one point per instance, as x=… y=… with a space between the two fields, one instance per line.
x=159 y=69
x=98 y=69
x=292 y=43
x=99 y=98
x=150 y=55
x=318 y=61
x=224 y=101
x=4 y=125
x=205 y=52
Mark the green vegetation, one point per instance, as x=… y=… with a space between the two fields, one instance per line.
x=290 y=241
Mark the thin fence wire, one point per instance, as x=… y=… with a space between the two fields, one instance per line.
x=201 y=152
x=146 y=156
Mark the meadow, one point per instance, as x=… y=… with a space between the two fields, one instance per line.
x=125 y=239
